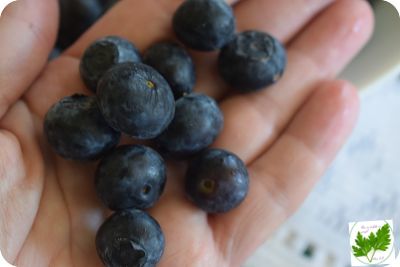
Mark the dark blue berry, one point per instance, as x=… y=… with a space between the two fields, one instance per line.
x=76 y=16
x=130 y=238
x=107 y=4
x=197 y=123
x=204 y=25
x=135 y=99
x=131 y=176
x=102 y=55
x=174 y=63
x=75 y=129
x=55 y=53
x=252 y=61
x=217 y=181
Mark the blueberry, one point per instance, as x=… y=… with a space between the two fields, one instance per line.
x=103 y=54
x=130 y=238
x=107 y=4
x=75 y=129
x=217 y=181
x=253 y=60
x=76 y=16
x=204 y=25
x=130 y=177
x=175 y=64
x=135 y=99
x=197 y=123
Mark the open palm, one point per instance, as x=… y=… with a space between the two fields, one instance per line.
x=287 y=135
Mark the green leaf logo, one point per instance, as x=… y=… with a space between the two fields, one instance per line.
x=367 y=247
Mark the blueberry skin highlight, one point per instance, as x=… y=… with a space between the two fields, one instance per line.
x=131 y=176
x=197 y=123
x=174 y=63
x=135 y=99
x=130 y=238
x=75 y=129
x=252 y=61
x=217 y=181
x=204 y=25
x=103 y=54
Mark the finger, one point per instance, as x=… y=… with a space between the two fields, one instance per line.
x=21 y=177
x=282 y=19
x=318 y=53
x=27 y=33
x=332 y=54
x=283 y=176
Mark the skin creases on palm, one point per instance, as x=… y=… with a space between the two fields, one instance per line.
x=287 y=135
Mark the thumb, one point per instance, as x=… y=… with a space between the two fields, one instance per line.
x=27 y=34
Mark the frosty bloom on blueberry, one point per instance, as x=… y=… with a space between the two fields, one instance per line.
x=130 y=238
x=135 y=99
x=103 y=54
x=204 y=25
x=75 y=129
x=131 y=176
x=197 y=123
x=175 y=64
x=252 y=61
x=217 y=181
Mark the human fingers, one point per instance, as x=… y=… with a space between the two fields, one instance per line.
x=27 y=34
x=283 y=176
x=253 y=121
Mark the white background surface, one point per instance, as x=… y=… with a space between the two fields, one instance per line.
x=3 y=4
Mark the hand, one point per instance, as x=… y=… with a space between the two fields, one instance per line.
x=287 y=134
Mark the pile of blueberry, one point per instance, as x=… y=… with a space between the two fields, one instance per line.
x=151 y=98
